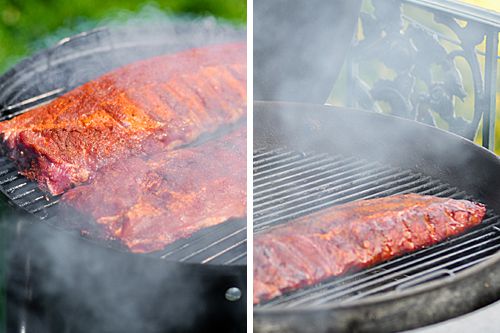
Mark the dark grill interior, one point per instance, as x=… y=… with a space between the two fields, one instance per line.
x=288 y=184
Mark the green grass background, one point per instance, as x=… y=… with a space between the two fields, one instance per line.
x=29 y=25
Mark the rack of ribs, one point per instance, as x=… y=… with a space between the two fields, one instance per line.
x=144 y=107
x=149 y=203
x=353 y=236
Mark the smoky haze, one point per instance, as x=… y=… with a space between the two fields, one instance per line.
x=300 y=46
x=299 y=49
x=58 y=282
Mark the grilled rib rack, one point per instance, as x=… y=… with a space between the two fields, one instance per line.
x=289 y=184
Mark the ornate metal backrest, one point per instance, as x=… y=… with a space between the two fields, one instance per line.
x=422 y=58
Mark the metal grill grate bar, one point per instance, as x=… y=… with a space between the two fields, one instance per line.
x=240 y=234
x=471 y=263
x=242 y=258
x=220 y=256
x=21 y=107
x=305 y=181
x=9 y=177
x=31 y=201
x=305 y=166
x=23 y=194
x=284 y=162
x=16 y=185
x=259 y=156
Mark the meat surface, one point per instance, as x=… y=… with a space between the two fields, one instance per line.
x=148 y=203
x=148 y=106
x=356 y=235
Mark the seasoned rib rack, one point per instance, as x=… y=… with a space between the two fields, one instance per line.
x=145 y=107
x=169 y=195
x=289 y=184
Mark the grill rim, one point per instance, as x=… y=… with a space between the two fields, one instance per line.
x=345 y=316
x=327 y=108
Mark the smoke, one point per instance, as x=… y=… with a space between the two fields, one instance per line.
x=299 y=49
x=150 y=14
x=26 y=38
x=59 y=283
x=298 y=52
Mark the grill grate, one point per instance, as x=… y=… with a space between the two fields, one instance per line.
x=25 y=193
x=223 y=244
x=289 y=184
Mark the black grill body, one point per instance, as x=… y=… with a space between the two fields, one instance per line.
x=309 y=157
x=58 y=281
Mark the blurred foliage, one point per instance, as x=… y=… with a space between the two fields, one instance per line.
x=372 y=71
x=493 y=5
x=487 y=4
x=28 y=25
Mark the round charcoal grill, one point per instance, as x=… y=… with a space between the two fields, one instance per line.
x=221 y=249
x=309 y=157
